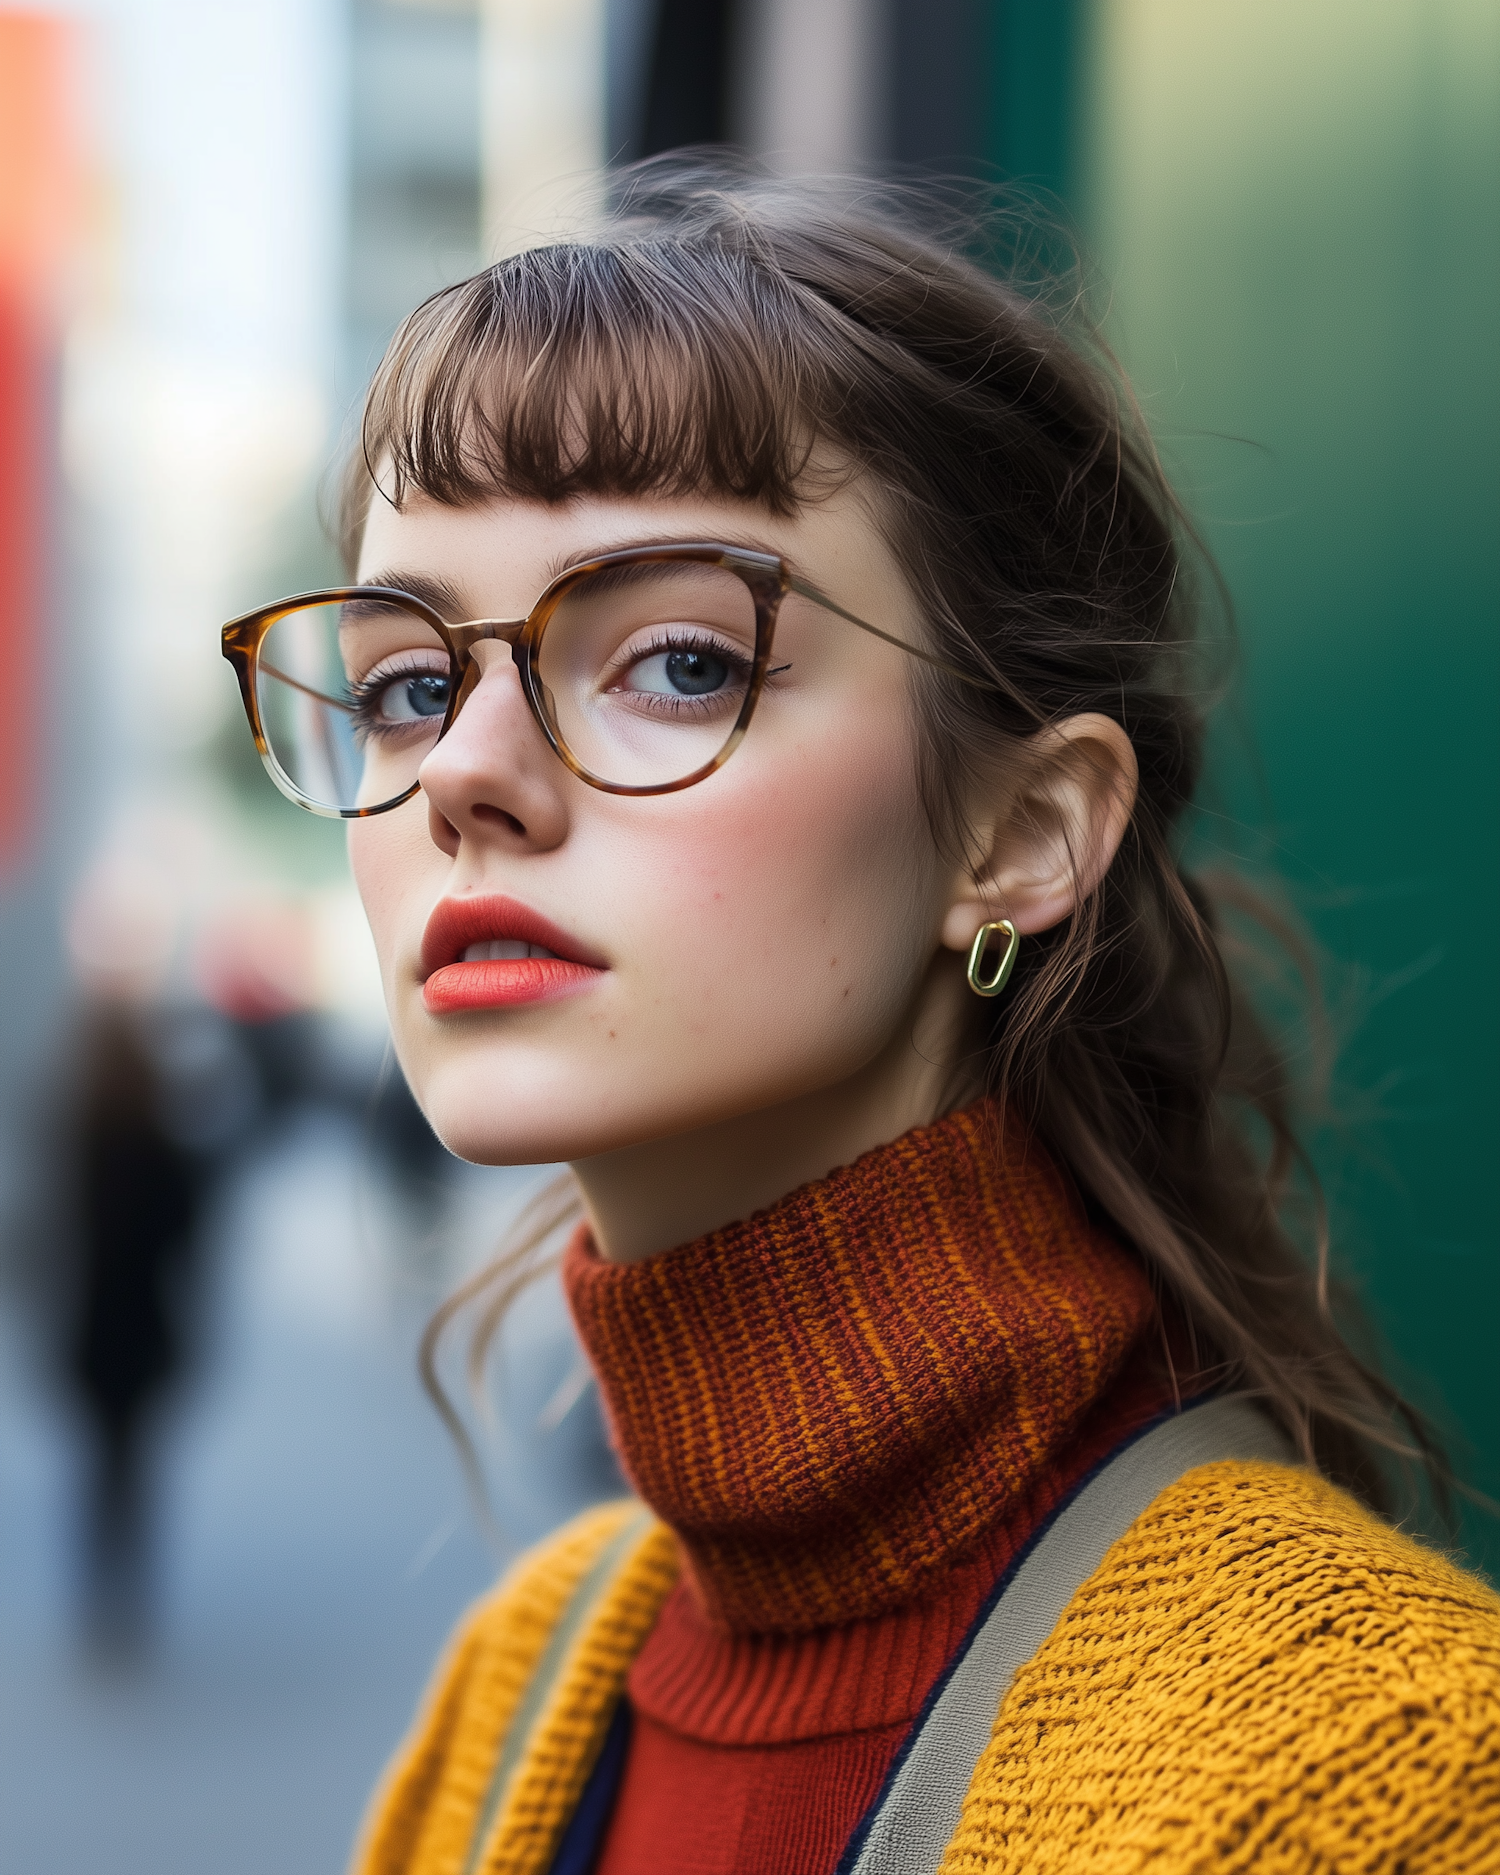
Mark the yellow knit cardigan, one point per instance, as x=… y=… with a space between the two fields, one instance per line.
x=1259 y=1675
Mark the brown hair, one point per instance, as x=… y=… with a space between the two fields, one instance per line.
x=728 y=334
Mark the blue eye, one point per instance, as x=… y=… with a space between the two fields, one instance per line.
x=696 y=673
x=681 y=673
x=411 y=699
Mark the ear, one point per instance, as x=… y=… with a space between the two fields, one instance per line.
x=1052 y=833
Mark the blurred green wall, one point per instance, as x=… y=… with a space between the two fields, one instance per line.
x=1294 y=202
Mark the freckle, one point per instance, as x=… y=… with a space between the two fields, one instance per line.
x=833 y=963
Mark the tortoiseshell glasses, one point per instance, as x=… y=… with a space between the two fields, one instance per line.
x=642 y=669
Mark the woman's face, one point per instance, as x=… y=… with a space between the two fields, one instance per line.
x=743 y=943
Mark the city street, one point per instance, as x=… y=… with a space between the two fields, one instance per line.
x=316 y=1546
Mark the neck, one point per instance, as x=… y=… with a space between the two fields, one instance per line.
x=647 y=1198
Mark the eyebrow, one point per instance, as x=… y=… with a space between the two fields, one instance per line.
x=437 y=593
x=445 y=600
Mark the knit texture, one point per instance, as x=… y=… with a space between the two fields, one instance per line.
x=439 y=1810
x=721 y=1687
x=832 y=1401
x=1259 y=1676
x=698 y=1809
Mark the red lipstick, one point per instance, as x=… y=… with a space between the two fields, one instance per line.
x=494 y=952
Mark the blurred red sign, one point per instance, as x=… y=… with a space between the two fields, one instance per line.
x=38 y=197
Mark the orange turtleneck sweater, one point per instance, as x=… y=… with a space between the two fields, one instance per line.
x=853 y=1409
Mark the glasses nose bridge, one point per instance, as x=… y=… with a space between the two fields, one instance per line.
x=471 y=632
x=465 y=636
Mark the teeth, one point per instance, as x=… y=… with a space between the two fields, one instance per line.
x=503 y=950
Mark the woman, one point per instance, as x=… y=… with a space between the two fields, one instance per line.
x=765 y=715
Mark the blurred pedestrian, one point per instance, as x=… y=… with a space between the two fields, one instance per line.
x=138 y=1197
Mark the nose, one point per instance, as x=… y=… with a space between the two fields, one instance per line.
x=494 y=778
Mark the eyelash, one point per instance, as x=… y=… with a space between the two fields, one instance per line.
x=365 y=694
x=736 y=659
x=666 y=642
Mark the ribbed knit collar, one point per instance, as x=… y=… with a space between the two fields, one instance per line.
x=834 y=1400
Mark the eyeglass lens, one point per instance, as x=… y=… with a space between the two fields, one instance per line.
x=643 y=668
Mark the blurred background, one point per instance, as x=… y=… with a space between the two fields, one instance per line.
x=232 y=1532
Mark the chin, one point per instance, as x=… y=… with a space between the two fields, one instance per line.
x=491 y=1119
x=511 y=1106
x=559 y=1091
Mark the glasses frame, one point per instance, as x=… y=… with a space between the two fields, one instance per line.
x=767 y=576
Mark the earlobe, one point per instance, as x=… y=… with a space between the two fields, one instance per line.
x=1055 y=833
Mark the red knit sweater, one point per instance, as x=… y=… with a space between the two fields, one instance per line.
x=853 y=1409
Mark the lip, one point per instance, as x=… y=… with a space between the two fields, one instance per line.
x=499 y=983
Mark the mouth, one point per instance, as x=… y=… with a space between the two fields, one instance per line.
x=494 y=953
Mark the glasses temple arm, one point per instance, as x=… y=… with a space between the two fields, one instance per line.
x=306 y=689
x=821 y=598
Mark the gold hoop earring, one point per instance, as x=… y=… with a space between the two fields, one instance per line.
x=992 y=985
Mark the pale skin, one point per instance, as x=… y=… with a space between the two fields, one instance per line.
x=782 y=944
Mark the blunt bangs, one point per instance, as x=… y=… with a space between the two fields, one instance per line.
x=630 y=367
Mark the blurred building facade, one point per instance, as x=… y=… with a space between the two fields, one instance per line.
x=1295 y=212
x=414 y=167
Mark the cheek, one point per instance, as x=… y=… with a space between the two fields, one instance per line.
x=800 y=910
x=391 y=856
